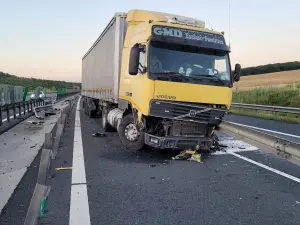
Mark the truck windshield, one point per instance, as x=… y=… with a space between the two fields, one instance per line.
x=189 y=64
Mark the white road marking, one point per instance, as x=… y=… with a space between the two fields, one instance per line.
x=79 y=206
x=267 y=167
x=262 y=129
x=12 y=116
x=78 y=169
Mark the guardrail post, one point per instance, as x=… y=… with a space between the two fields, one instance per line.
x=14 y=110
x=7 y=113
x=0 y=115
x=20 y=112
x=24 y=108
x=27 y=103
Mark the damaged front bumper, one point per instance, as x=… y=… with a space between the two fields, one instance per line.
x=178 y=142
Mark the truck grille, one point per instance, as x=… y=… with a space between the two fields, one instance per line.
x=186 y=112
x=183 y=128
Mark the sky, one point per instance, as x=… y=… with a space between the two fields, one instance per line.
x=47 y=38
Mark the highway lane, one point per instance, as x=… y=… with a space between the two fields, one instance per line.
x=147 y=187
x=278 y=127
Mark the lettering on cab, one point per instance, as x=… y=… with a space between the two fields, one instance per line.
x=166 y=97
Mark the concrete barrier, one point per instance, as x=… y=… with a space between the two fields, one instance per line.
x=40 y=194
x=49 y=152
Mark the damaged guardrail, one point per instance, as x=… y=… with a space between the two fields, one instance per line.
x=281 y=146
x=12 y=114
x=49 y=152
x=9 y=111
x=267 y=108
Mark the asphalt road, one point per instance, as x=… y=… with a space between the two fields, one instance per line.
x=147 y=187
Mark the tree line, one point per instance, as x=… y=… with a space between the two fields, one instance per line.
x=270 y=68
x=9 y=79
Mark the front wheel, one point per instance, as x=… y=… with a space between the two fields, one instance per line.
x=130 y=136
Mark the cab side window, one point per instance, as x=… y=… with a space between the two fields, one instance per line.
x=142 y=60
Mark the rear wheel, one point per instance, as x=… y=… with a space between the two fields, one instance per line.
x=130 y=136
x=88 y=108
x=105 y=125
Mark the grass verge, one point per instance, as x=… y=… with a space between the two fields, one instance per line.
x=288 y=96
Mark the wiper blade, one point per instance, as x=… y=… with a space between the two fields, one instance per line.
x=220 y=80
x=173 y=74
x=198 y=76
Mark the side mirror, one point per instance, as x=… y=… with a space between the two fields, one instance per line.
x=134 y=60
x=237 y=72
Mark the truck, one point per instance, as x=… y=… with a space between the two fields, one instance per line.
x=159 y=79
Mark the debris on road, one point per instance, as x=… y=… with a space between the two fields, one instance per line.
x=50 y=112
x=36 y=122
x=98 y=134
x=63 y=168
x=196 y=157
x=42 y=111
x=191 y=155
x=43 y=203
x=152 y=165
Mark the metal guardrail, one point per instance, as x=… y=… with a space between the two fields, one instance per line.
x=267 y=108
x=19 y=109
x=23 y=108
x=280 y=145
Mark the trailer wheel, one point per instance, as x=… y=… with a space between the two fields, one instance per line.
x=105 y=125
x=88 y=112
x=130 y=137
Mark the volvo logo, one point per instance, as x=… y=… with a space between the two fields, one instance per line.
x=192 y=113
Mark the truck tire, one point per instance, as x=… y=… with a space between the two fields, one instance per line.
x=88 y=111
x=130 y=137
x=92 y=113
x=105 y=125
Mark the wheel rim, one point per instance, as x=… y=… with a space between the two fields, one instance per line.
x=131 y=132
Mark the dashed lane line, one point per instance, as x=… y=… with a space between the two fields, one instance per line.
x=79 y=206
x=296 y=179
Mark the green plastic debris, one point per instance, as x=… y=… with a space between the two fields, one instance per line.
x=42 y=207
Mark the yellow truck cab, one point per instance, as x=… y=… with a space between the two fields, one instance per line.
x=160 y=79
